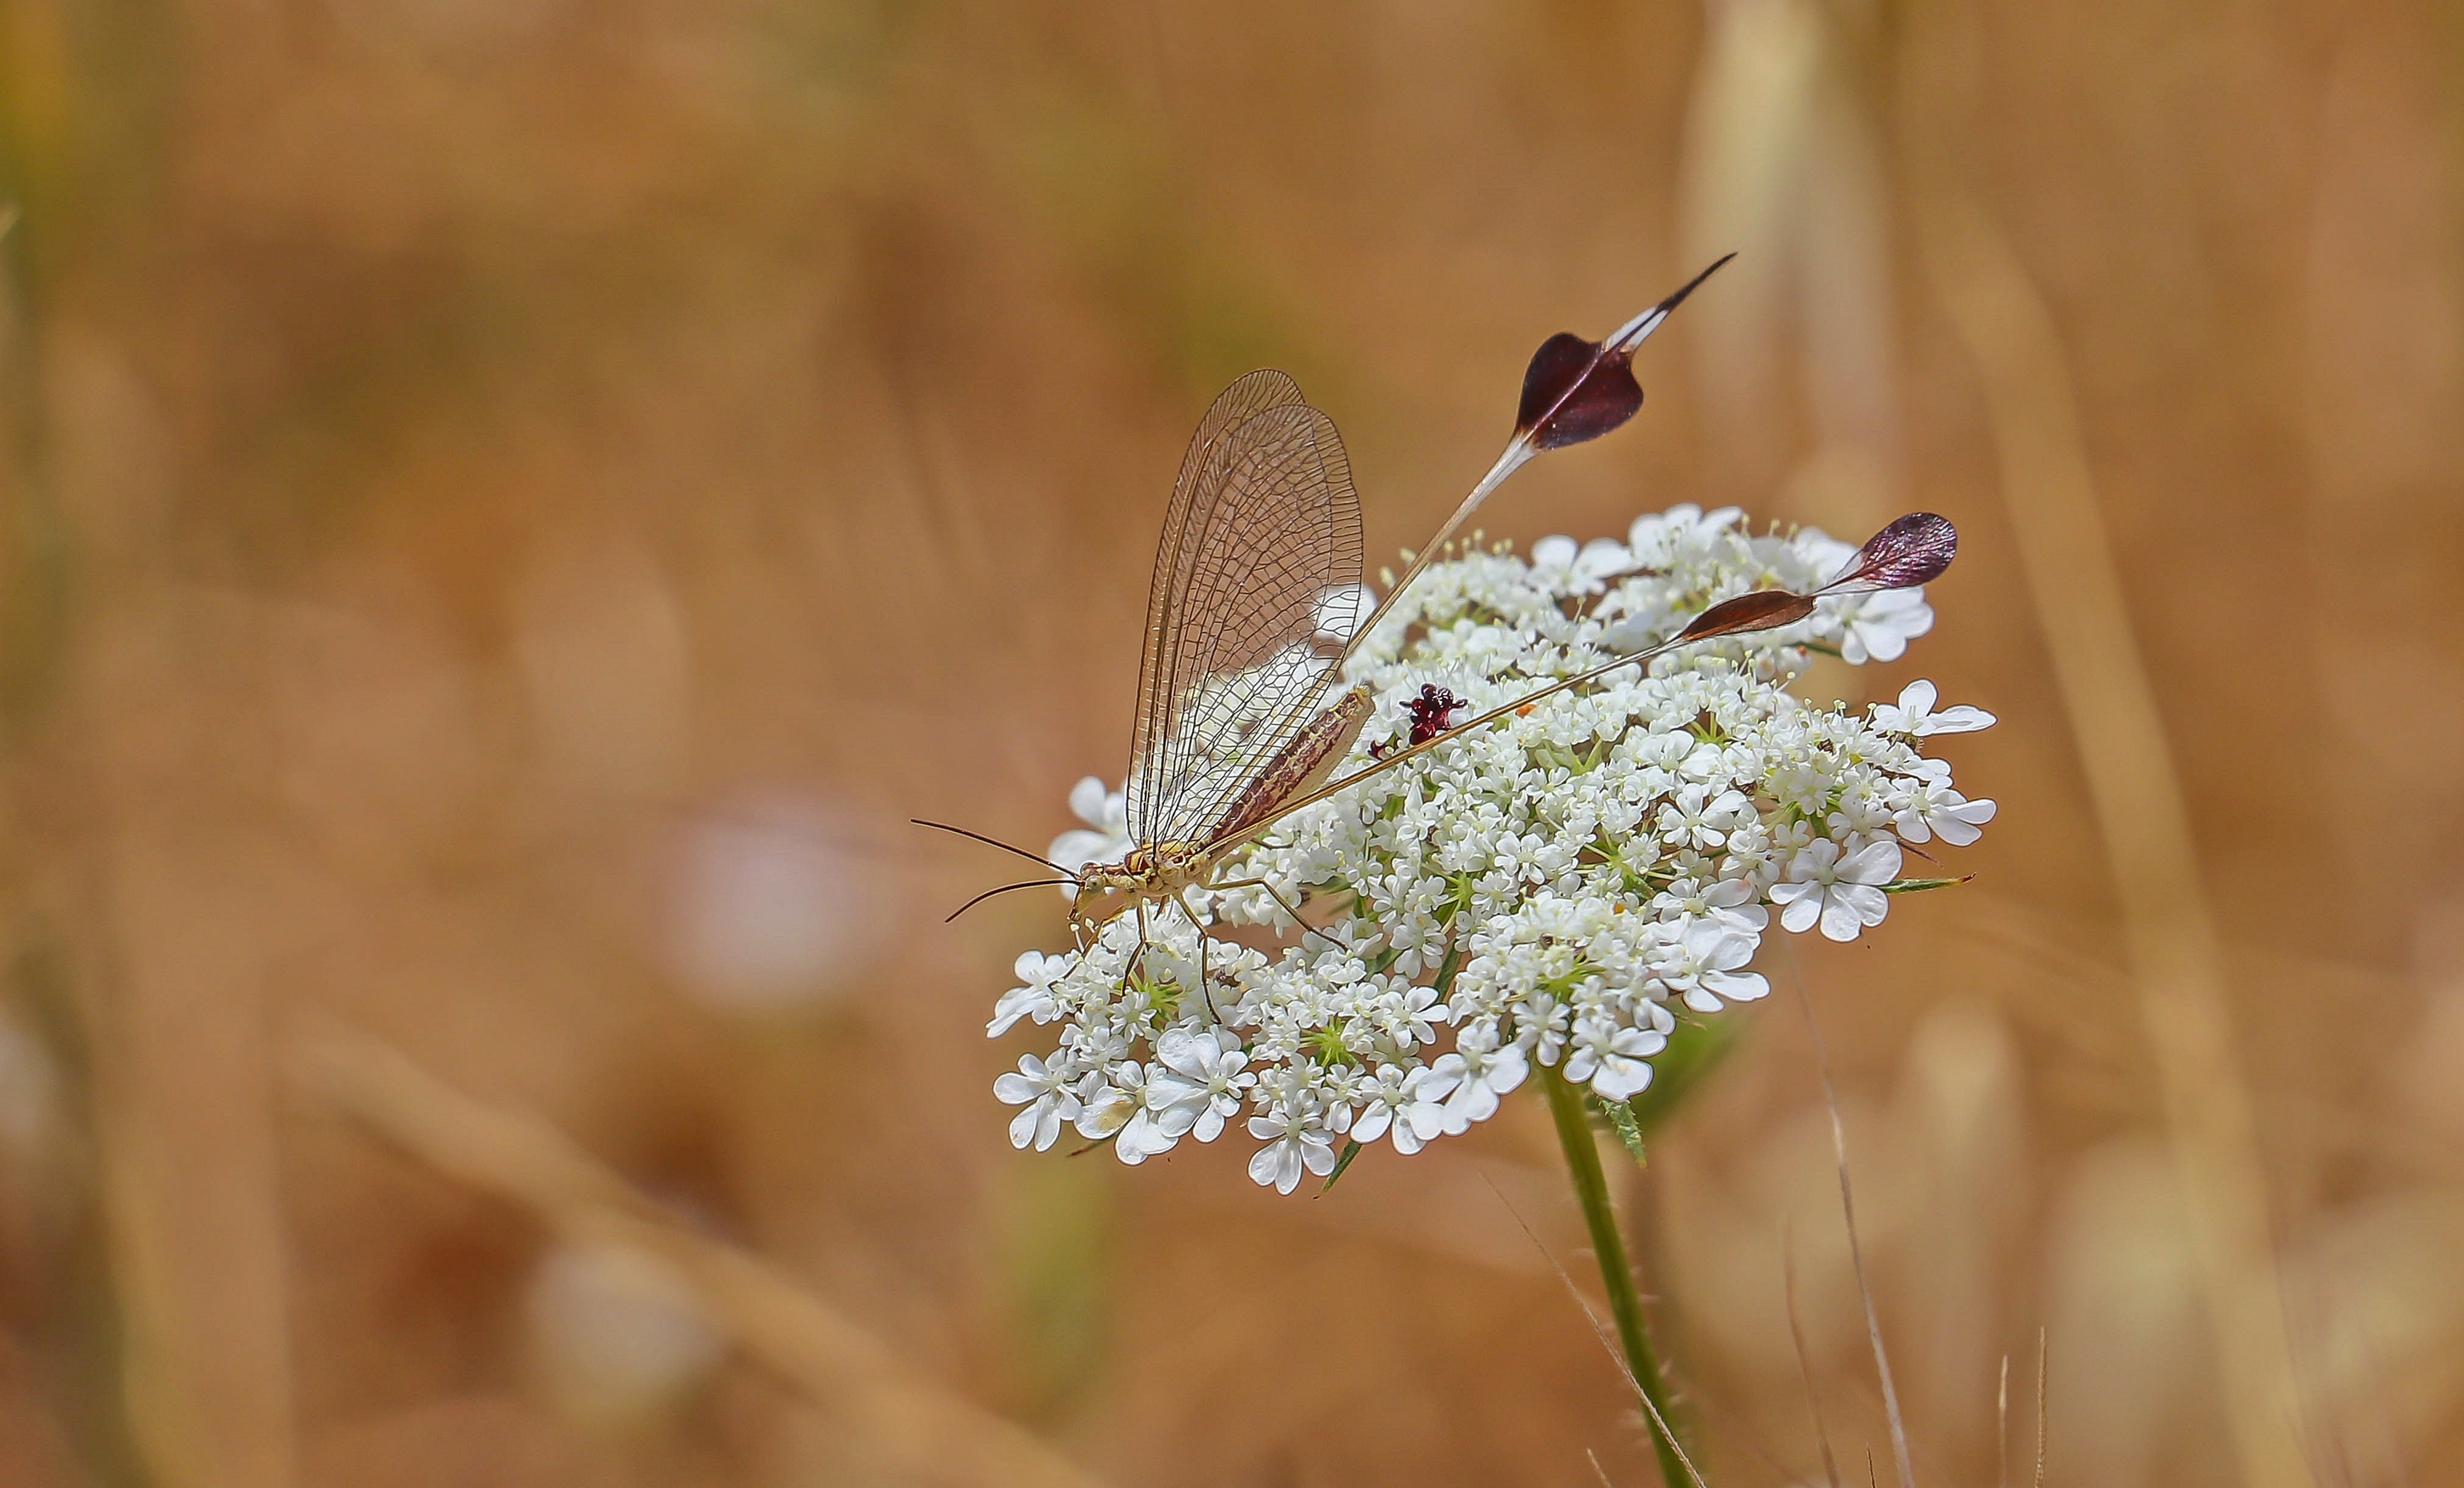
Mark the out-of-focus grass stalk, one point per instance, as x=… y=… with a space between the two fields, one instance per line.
x=1617 y=1272
x=1856 y=1250
x=1781 y=166
x=160 y=1420
x=172 y=993
x=169 y=1009
x=99 y=649
x=2175 y=955
x=913 y=1426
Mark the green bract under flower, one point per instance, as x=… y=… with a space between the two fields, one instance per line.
x=1549 y=888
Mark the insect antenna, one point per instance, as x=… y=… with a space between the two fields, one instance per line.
x=1032 y=857
x=1030 y=883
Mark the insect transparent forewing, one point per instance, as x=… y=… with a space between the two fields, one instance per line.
x=1263 y=528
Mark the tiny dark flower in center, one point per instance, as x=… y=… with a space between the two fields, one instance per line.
x=1430 y=713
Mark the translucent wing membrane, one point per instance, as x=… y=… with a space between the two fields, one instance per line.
x=1263 y=541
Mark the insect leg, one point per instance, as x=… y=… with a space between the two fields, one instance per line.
x=1205 y=979
x=1307 y=929
x=1129 y=967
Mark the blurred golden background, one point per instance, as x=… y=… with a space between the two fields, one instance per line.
x=512 y=502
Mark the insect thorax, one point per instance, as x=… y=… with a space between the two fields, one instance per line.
x=1148 y=873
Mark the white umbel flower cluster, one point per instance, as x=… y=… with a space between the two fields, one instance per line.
x=1556 y=888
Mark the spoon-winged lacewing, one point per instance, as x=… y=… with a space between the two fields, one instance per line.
x=1260 y=560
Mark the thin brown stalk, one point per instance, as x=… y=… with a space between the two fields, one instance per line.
x=915 y=1428
x=1726 y=1425
x=2002 y=1427
x=2040 y=1407
x=1608 y=1340
x=1856 y=1252
x=2301 y=1291
x=1804 y=1360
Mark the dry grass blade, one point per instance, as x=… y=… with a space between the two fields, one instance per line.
x=913 y=1426
x=2002 y=1427
x=2379 y=1396
x=1804 y=1360
x=2040 y=1407
x=1598 y=1470
x=1856 y=1253
x=1600 y=1331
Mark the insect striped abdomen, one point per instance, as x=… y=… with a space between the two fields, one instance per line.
x=1299 y=767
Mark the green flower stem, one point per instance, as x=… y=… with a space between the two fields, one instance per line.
x=1625 y=1299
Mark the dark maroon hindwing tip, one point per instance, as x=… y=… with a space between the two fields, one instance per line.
x=1913 y=551
x=1763 y=610
x=1573 y=391
x=1670 y=304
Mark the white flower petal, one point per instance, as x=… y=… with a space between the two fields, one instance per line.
x=1962 y=718
x=1738 y=986
x=1087 y=800
x=1876 y=862
x=1266 y=1169
x=1022 y=1127
x=1623 y=1079
x=1078 y=847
